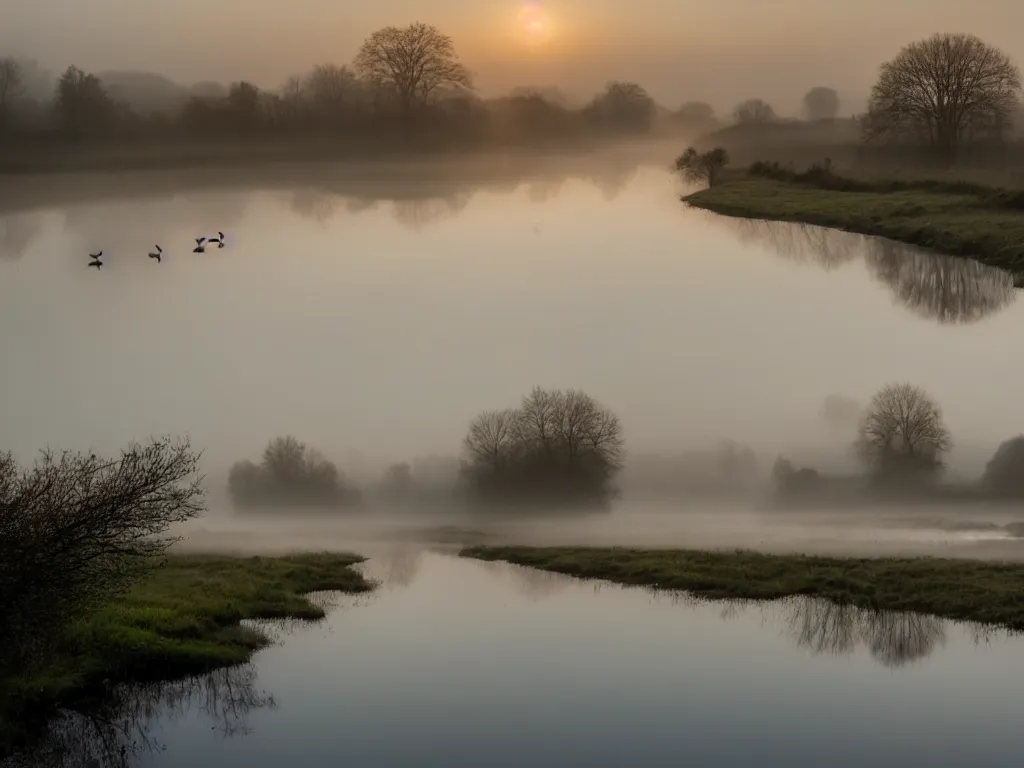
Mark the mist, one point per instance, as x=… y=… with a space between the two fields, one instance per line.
x=721 y=53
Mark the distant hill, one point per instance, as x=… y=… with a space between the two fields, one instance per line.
x=144 y=92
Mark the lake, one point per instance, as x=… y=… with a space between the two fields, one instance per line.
x=461 y=663
x=373 y=311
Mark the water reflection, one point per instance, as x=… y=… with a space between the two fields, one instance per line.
x=119 y=733
x=417 y=213
x=946 y=289
x=893 y=638
x=943 y=288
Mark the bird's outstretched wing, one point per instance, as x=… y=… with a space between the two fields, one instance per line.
x=199 y=240
x=221 y=235
x=159 y=249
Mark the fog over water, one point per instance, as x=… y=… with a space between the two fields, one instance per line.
x=375 y=321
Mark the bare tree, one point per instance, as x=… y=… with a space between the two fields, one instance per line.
x=76 y=529
x=10 y=85
x=902 y=431
x=939 y=89
x=492 y=438
x=704 y=167
x=821 y=103
x=290 y=473
x=754 y=111
x=561 y=442
x=414 y=61
x=622 y=107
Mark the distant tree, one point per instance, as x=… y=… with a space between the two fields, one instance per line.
x=10 y=87
x=902 y=434
x=1004 y=473
x=699 y=167
x=332 y=92
x=558 y=445
x=821 y=104
x=754 y=111
x=77 y=529
x=938 y=90
x=412 y=61
x=289 y=473
x=244 y=105
x=81 y=103
x=697 y=112
x=622 y=108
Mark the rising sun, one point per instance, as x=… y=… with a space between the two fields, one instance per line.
x=534 y=24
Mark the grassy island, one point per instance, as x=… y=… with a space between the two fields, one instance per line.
x=182 y=619
x=967 y=590
x=954 y=218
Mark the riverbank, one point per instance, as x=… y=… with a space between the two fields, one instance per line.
x=958 y=220
x=963 y=590
x=182 y=619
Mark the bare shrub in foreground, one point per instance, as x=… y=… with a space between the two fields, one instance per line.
x=76 y=529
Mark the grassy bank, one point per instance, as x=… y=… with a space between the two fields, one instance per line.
x=182 y=619
x=955 y=219
x=964 y=590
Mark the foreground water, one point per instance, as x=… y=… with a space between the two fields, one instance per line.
x=373 y=312
x=461 y=663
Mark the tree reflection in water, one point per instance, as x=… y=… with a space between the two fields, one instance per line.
x=117 y=734
x=947 y=289
x=894 y=638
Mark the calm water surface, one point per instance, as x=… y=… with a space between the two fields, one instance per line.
x=379 y=315
x=461 y=663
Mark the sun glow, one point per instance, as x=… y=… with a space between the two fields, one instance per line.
x=534 y=24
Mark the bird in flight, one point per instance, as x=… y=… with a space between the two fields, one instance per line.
x=218 y=240
x=97 y=260
x=200 y=248
x=157 y=255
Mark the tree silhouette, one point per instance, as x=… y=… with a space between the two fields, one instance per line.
x=902 y=434
x=821 y=103
x=941 y=89
x=754 y=112
x=622 y=108
x=81 y=104
x=704 y=167
x=412 y=61
x=10 y=87
x=1004 y=473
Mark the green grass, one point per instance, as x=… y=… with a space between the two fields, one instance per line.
x=965 y=223
x=965 y=590
x=182 y=619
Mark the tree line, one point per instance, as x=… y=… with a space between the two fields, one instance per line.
x=557 y=447
x=404 y=83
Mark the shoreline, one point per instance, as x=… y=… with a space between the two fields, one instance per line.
x=952 y=223
x=183 y=619
x=954 y=589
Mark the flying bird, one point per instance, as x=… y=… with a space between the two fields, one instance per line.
x=97 y=260
x=157 y=255
x=199 y=245
x=218 y=240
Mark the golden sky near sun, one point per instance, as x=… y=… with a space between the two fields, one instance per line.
x=720 y=51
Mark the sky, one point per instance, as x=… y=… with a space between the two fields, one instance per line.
x=715 y=50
